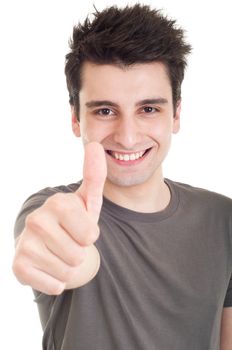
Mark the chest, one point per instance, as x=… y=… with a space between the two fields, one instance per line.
x=157 y=288
x=174 y=266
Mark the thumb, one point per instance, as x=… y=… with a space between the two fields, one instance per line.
x=94 y=176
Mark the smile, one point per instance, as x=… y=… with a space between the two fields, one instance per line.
x=126 y=157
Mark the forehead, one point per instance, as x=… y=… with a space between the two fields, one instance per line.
x=107 y=79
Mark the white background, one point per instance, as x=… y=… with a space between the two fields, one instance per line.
x=38 y=148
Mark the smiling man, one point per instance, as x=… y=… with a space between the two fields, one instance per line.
x=131 y=114
x=125 y=258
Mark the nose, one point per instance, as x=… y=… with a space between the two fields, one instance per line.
x=127 y=133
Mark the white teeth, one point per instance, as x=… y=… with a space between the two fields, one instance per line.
x=137 y=156
x=127 y=157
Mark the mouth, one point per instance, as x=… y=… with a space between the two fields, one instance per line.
x=128 y=157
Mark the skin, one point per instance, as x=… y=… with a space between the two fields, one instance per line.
x=55 y=250
x=126 y=124
x=226 y=329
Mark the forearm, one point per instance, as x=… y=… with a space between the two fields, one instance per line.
x=226 y=329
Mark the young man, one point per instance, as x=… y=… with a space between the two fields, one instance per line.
x=127 y=259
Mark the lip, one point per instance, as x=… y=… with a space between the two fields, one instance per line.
x=121 y=152
x=129 y=162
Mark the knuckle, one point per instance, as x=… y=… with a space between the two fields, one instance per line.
x=66 y=204
x=57 y=202
x=16 y=267
x=26 y=248
x=20 y=271
x=33 y=220
x=26 y=275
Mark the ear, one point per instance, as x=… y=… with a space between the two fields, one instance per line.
x=75 y=123
x=176 y=118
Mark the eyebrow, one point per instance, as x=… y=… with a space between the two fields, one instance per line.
x=98 y=103
x=152 y=101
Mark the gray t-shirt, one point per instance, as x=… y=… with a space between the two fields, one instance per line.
x=163 y=280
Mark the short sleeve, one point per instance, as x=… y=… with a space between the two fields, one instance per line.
x=44 y=302
x=228 y=298
x=31 y=204
x=37 y=200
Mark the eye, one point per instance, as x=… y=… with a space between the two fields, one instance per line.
x=149 y=109
x=104 y=111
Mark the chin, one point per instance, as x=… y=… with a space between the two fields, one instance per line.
x=128 y=181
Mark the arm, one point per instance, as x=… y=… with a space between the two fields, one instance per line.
x=226 y=329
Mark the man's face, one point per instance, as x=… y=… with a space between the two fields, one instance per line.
x=130 y=112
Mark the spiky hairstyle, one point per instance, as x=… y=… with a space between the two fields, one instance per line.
x=125 y=36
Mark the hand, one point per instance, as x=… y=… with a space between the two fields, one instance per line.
x=55 y=251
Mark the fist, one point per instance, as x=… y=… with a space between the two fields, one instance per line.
x=56 y=249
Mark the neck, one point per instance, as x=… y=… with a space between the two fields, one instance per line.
x=149 y=197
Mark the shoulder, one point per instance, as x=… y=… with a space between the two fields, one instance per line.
x=49 y=191
x=203 y=198
x=41 y=196
x=37 y=199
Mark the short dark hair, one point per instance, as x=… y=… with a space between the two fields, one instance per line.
x=125 y=36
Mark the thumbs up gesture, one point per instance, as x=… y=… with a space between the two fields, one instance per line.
x=56 y=249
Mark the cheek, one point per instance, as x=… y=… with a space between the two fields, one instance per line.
x=88 y=135
x=85 y=131
x=92 y=131
x=162 y=131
